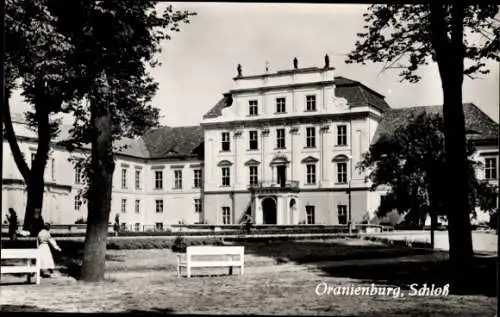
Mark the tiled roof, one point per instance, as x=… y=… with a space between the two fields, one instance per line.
x=478 y=124
x=358 y=95
x=174 y=142
x=354 y=92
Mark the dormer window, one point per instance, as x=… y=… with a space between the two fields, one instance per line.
x=280 y=105
x=253 y=109
x=311 y=103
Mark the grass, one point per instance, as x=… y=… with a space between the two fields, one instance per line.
x=145 y=281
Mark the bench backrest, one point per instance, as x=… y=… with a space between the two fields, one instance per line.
x=19 y=254
x=214 y=250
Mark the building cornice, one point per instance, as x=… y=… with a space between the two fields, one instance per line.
x=286 y=73
x=282 y=87
x=13 y=181
x=319 y=118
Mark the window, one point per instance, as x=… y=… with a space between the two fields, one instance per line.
x=310 y=215
x=226 y=181
x=490 y=168
x=197 y=205
x=311 y=137
x=280 y=105
x=137 y=226
x=197 y=178
x=123 y=226
x=159 y=205
x=178 y=179
x=124 y=178
x=342 y=214
x=78 y=174
x=159 y=226
x=342 y=135
x=311 y=103
x=124 y=205
x=137 y=206
x=254 y=143
x=311 y=174
x=137 y=179
x=342 y=172
x=280 y=138
x=226 y=215
x=254 y=179
x=158 y=179
x=252 y=108
x=53 y=168
x=226 y=146
x=78 y=202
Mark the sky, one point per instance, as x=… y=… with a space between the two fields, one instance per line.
x=199 y=62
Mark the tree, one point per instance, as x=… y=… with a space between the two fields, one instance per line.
x=114 y=42
x=36 y=56
x=410 y=162
x=409 y=36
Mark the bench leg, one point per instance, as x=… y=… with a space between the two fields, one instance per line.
x=28 y=276
x=178 y=271
x=242 y=269
x=188 y=271
x=230 y=270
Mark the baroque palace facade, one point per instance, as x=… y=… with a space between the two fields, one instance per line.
x=280 y=147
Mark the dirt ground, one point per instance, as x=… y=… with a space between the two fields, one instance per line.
x=145 y=281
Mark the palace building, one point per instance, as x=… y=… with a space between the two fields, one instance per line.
x=279 y=147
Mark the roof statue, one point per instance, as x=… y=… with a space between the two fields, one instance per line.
x=327 y=61
x=295 y=63
x=239 y=70
x=267 y=66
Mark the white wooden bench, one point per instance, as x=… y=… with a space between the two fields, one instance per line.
x=211 y=256
x=27 y=255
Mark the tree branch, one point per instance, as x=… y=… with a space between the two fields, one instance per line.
x=14 y=146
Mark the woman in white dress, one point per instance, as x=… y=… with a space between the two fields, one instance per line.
x=47 y=264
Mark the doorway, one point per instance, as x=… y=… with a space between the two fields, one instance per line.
x=281 y=171
x=269 y=211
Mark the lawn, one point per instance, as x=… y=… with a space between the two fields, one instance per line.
x=277 y=280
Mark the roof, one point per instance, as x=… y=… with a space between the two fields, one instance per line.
x=479 y=125
x=359 y=95
x=174 y=142
x=216 y=110
x=356 y=94
x=163 y=142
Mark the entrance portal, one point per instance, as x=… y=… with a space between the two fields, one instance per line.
x=269 y=211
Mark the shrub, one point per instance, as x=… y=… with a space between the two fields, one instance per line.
x=179 y=245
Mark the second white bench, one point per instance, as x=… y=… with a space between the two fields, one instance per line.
x=26 y=266
x=211 y=256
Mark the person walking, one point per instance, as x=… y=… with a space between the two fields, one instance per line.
x=13 y=225
x=47 y=264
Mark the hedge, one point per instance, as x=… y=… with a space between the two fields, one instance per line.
x=403 y=243
x=209 y=233
x=69 y=246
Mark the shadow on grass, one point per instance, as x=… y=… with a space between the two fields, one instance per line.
x=401 y=272
x=22 y=308
x=303 y=252
x=152 y=311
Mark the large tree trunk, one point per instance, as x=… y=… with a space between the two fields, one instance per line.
x=449 y=55
x=36 y=182
x=99 y=202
